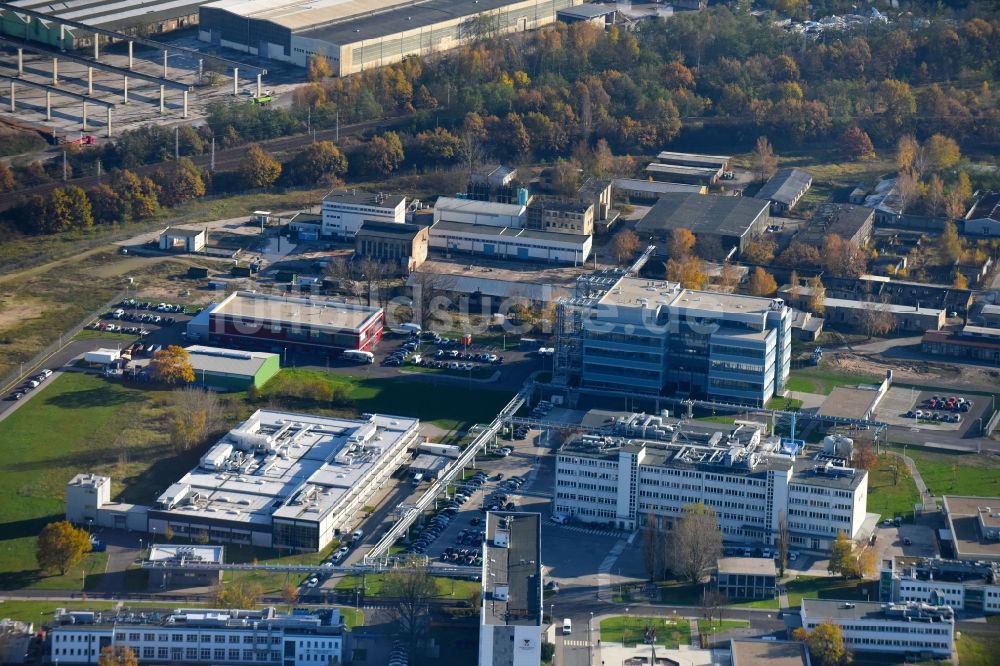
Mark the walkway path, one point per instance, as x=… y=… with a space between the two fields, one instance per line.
x=695 y=636
x=925 y=495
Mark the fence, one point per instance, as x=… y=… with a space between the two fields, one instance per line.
x=16 y=376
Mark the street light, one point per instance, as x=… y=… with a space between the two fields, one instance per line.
x=625 y=633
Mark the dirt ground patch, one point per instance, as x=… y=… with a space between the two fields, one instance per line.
x=14 y=310
x=918 y=372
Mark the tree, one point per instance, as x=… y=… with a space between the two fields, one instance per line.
x=817 y=297
x=729 y=276
x=876 y=319
x=842 y=559
x=825 y=643
x=139 y=196
x=624 y=245
x=949 y=247
x=290 y=593
x=239 y=594
x=765 y=162
x=319 y=68
x=843 y=258
x=941 y=152
x=603 y=159
x=321 y=162
x=900 y=470
x=171 y=366
x=257 y=168
x=681 y=242
x=429 y=294
x=960 y=281
x=106 y=205
x=383 y=154
x=6 y=178
x=907 y=153
x=759 y=250
x=907 y=189
x=411 y=590
x=117 y=655
x=687 y=271
x=61 y=546
x=802 y=255
x=696 y=542
x=762 y=283
x=652 y=548
x=180 y=182
x=855 y=143
x=867 y=562
x=195 y=415
x=863 y=455
x=784 y=538
x=935 y=195
x=438 y=145
x=80 y=211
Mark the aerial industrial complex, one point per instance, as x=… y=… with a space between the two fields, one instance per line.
x=359 y=35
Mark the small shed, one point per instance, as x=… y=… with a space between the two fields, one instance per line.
x=102 y=356
x=183 y=239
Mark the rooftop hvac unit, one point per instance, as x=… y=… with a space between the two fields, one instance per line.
x=501 y=593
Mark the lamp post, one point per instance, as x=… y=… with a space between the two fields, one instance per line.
x=625 y=633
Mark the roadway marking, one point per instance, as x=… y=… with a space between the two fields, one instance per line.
x=576 y=643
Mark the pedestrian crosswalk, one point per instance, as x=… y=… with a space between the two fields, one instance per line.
x=574 y=642
x=593 y=530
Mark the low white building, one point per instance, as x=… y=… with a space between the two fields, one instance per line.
x=486 y=213
x=344 y=212
x=85 y=494
x=510 y=243
x=182 y=239
x=909 y=629
x=200 y=636
x=102 y=356
x=749 y=479
x=971 y=586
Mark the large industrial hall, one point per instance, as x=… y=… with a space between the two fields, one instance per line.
x=354 y=34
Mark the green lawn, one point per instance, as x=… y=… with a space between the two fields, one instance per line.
x=957 y=473
x=74 y=424
x=729 y=420
x=406 y=397
x=822 y=379
x=452 y=588
x=820 y=587
x=887 y=499
x=787 y=404
x=756 y=603
x=630 y=630
x=478 y=372
x=708 y=627
x=271 y=583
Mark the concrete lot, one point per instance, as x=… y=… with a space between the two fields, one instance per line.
x=900 y=400
x=890 y=541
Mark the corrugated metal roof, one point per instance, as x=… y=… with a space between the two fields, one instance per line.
x=785 y=186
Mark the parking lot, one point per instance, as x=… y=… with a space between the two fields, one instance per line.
x=927 y=410
x=905 y=539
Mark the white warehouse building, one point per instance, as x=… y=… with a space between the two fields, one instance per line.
x=344 y=212
x=510 y=243
x=965 y=586
x=747 y=478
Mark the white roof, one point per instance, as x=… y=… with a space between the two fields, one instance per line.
x=471 y=206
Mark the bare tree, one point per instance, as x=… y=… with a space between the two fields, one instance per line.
x=472 y=150
x=196 y=415
x=765 y=162
x=713 y=603
x=696 y=543
x=347 y=275
x=373 y=274
x=876 y=319
x=783 y=537
x=652 y=548
x=410 y=591
x=428 y=293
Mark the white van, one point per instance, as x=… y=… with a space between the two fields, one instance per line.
x=359 y=356
x=410 y=327
x=567 y=627
x=356 y=537
x=560 y=518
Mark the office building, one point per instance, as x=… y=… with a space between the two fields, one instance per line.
x=85 y=493
x=496 y=242
x=974 y=527
x=564 y=217
x=746 y=577
x=963 y=585
x=281 y=324
x=357 y=36
x=910 y=629
x=646 y=336
x=480 y=213
x=510 y=628
x=344 y=212
x=733 y=221
x=403 y=246
x=627 y=467
x=199 y=636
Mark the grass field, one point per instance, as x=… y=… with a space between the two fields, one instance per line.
x=406 y=397
x=887 y=499
x=630 y=630
x=449 y=588
x=708 y=627
x=817 y=587
x=957 y=473
x=787 y=404
x=821 y=379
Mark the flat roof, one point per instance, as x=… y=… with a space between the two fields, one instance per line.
x=669 y=157
x=953 y=338
x=588 y=10
x=387 y=229
x=507 y=232
x=785 y=185
x=837 y=609
x=512 y=569
x=844 y=220
x=183 y=232
x=474 y=206
x=754 y=652
x=312 y=312
x=657 y=167
x=363 y=198
x=227 y=361
x=848 y=402
x=204 y=554
x=292 y=466
x=753 y=566
x=702 y=213
x=964 y=515
x=656 y=186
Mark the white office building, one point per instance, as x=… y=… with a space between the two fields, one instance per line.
x=510 y=628
x=85 y=494
x=486 y=213
x=640 y=465
x=911 y=629
x=965 y=586
x=510 y=243
x=345 y=211
x=200 y=636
